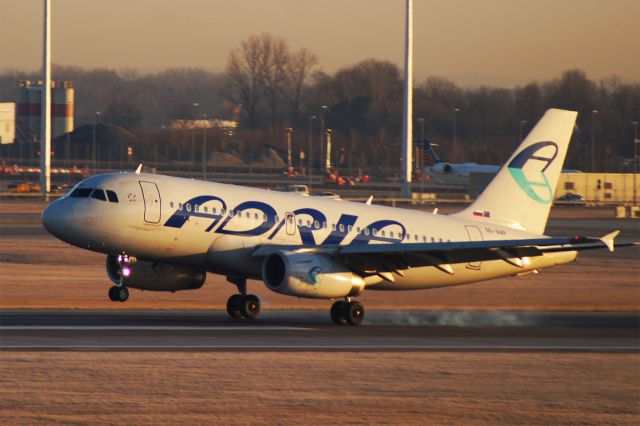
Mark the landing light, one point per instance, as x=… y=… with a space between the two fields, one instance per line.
x=126 y=272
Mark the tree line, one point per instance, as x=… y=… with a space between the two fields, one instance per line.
x=268 y=88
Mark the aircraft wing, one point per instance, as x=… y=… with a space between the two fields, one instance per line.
x=378 y=258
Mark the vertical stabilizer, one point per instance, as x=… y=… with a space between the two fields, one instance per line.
x=522 y=192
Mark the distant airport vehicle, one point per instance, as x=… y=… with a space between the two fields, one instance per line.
x=298 y=189
x=571 y=199
x=164 y=233
x=328 y=194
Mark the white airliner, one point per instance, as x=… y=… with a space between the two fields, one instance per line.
x=446 y=173
x=164 y=233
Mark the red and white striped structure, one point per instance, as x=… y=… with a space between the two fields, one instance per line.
x=29 y=106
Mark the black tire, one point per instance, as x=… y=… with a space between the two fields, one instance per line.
x=123 y=293
x=250 y=306
x=337 y=312
x=113 y=294
x=354 y=313
x=233 y=306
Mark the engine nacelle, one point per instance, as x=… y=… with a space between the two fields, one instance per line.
x=156 y=276
x=309 y=275
x=442 y=168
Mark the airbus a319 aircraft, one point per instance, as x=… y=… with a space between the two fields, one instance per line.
x=165 y=233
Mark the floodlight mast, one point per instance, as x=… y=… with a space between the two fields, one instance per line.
x=45 y=114
x=407 y=110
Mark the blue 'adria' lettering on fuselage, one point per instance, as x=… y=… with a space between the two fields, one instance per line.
x=306 y=231
x=266 y=221
x=181 y=216
x=367 y=235
x=268 y=218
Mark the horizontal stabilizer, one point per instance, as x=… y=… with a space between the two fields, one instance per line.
x=608 y=240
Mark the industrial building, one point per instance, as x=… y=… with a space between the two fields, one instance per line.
x=29 y=108
x=7 y=122
x=602 y=188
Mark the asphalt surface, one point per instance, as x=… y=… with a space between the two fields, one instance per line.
x=463 y=331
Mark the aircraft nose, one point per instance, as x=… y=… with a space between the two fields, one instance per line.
x=53 y=218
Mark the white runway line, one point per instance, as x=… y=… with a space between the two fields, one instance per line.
x=144 y=328
x=339 y=348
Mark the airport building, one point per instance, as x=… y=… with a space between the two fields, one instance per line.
x=593 y=187
x=7 y=122
x=601 y=187
x=29 y=108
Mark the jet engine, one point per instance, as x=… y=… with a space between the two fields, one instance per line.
x=309 y=275
x=442 y=168
x=155 y=276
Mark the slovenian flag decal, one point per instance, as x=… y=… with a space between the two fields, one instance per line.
x=481 y=213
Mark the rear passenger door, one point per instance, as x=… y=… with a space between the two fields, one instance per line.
x=152 y=203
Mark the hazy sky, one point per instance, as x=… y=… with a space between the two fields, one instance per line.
x=472 y=42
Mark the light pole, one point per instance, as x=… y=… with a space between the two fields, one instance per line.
x=93 y=142
x=455 y=135
x=636 y=141
x=313 y=117
x=328 y=163
x=289 y=159
x=521 y=124
x=420 y=146
x=593 y=126
x=204 y=148
x=323 y=111
x=420 y=157
x=194 y=116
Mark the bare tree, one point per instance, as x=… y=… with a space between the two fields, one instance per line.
x=276 y=60
x=298 y=69
x=246 y=71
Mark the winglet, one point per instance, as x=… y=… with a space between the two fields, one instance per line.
x=608 y=239
x=369 y=200
x=139 y=169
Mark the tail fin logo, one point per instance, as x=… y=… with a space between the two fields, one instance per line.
x=528 y=170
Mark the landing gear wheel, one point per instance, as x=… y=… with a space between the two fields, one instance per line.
x=354 y=313
x=123 y=294
x=233 y=306
x=337 y=312
x=250 y=306
x=118 y=294
x=113 y=296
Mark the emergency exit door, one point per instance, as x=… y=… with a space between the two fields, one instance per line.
x=152 y=205
x=474 y=235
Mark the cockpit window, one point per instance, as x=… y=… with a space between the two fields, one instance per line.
x=98 y=194
x=112 y=196
x=81 y=192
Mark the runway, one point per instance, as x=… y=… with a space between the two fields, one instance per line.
x=291 y=330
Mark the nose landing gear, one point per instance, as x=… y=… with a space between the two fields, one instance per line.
x=242 y=305
x=120 y=292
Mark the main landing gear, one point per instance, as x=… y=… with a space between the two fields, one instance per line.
x=345 y=312
x=242 y=305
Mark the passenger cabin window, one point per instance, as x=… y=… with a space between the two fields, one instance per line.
x=81 y=193
x=98 y=194
x=112 y=196
x=171 y=204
